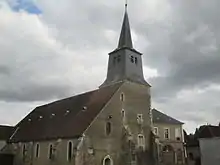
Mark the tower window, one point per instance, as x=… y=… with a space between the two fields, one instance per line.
x=119 y=58
x=37 y=150
x=135 y=60
x=114 y=60
x=69 y=151
x=108 y=128
x=132 y=59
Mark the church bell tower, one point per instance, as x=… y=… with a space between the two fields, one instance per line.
x=125 y=63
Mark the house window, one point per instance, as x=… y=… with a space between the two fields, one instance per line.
x=69 y=151
x=141 y=141
x=166 y=133
x=177 y=134
x=132 y=59
x=37 y=150
x=139 y=118
x=156 y=130
x=108 y=128
x=50 y=155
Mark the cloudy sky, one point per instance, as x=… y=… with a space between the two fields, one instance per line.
x=55 y=49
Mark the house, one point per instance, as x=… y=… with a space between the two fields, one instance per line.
x=209 y=150
x=107 y=126
x=5 y=133
x=204 y=140
x=169 y=132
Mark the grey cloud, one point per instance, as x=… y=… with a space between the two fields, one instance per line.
x=184 y=47
x=85 y=28
x=4 y=70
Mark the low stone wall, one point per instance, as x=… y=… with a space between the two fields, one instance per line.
x=6 y=159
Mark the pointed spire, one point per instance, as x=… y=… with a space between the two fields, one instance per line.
x=125 y=39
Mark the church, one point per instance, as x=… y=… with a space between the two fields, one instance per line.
x=111 y=125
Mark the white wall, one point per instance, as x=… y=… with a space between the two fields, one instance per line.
x=210 y=151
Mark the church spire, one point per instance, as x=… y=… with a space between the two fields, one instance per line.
x=125 y=39
x=125 y=63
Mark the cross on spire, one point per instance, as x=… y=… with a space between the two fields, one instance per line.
x=126 y=3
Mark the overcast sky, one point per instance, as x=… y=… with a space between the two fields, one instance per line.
x=55 y=49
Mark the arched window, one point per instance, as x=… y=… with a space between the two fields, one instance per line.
x=123 y=113
x=37 y=150
x=24 y=150
x=50 y=151
x=107 y=161
x=122 y=97
x=141 y=141
x=69 y=151
x=191 y=157
x=108 y=128
x=168 y=148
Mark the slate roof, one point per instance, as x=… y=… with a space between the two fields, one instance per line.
x=204 y=131
x=5 y=132
x=159 y=117
x=125 y=36
x=67 y=118
x=208 y=131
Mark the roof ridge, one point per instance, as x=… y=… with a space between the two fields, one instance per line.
x=167 y=116
x=77 y=95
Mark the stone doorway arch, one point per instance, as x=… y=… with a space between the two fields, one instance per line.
x=168 y=154
x=107 y=160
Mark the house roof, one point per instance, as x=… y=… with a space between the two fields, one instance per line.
x=5 y=132
x=204 y=131
x=67 y=118
x=159 y=117
x=208 y=131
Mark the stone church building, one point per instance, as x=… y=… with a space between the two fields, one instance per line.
x=111 y=125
